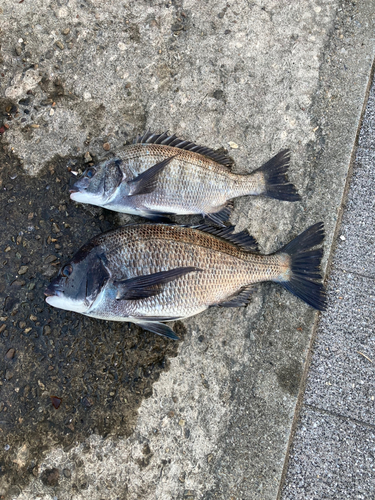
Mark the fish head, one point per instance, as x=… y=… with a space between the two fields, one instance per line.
x=79 y=282
x=98 y=183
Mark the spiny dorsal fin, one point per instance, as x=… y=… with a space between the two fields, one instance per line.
x=243 y=239
x=173 y=141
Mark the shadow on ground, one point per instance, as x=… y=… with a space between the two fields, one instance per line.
x=96 y=373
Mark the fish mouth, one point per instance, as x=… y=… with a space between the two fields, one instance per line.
x=52 y=290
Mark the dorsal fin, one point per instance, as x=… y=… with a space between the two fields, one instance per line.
x=242 y=239
x=175 y=142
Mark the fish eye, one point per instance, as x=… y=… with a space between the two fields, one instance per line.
x=90 y=172
x=67 y=271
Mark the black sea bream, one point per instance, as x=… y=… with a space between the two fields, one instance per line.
x=151 y=273
x=162 y=174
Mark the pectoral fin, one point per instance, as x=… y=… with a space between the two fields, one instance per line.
x=148 y=285
x=146 y=182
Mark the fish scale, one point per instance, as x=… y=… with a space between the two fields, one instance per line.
x=151 y=178
x=148 y=273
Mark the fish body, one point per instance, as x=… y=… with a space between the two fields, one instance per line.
x=151 y=273
x=162 y=174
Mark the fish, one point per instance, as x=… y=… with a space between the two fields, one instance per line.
x=161 y=174
x=151 y=273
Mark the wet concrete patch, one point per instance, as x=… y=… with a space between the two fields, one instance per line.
x=63 y=376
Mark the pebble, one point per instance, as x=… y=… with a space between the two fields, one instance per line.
x=18 y=50
x=60 y=45
x=51 y=112
x=50 y=258
x=67 y=473
x=47 y=330
x=56 y=402
x=23 y=270
x=8 y=249
x=33 y=318
x=106 y=146
x=50 y=477
x=342 y=238
x=10 y=353
x=233 y=145
x=87 y=157
x=65 y=31
x=2 y=328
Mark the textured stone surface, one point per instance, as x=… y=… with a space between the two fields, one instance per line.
x=263 y=76
x=333 y=458
x=333 y=451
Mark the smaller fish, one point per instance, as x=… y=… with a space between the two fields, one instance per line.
x=162 y=174
x=151 y=273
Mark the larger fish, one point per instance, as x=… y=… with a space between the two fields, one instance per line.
x=150 y=273
x=162 y=174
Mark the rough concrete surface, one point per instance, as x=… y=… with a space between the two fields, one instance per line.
x=213 y=421
x=333 y=450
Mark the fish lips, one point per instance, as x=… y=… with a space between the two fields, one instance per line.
x=53 y=289
x=79 y=185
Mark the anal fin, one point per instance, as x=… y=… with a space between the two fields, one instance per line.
x=222 y=215
x=241 y=299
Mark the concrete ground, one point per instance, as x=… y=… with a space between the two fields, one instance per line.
x=333 y=451
x=214 y=415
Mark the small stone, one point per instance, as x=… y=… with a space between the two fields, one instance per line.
x=128 y=85
x=50 y=477
x=33 y=318
x=2 y=328
x=56 y=402
x=181 y=422
x=106 y=146
x=34 y=125
x=60 y=45
x=65 y=31
x=10 y=353
x=233 y=145
x=8 y=249
x=51 y=112
x=86 y=95
x=23 y=270
x=55 y=228
x=41 y=385
x=67 y=473
x=50 y=258
x=121 y=46
x=27 y=330
x=22 y=324
x=47 y=330
x=87 y=157
x=18 y=50
x=8 y=375
x=342 y=238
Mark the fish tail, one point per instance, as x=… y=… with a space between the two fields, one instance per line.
x=301 y=272
x=275 y=181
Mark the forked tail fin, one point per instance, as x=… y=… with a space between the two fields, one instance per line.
x=276 y=182
x=303 y=277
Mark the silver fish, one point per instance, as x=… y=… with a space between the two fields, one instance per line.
x=150 y=273
x=162 y=174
